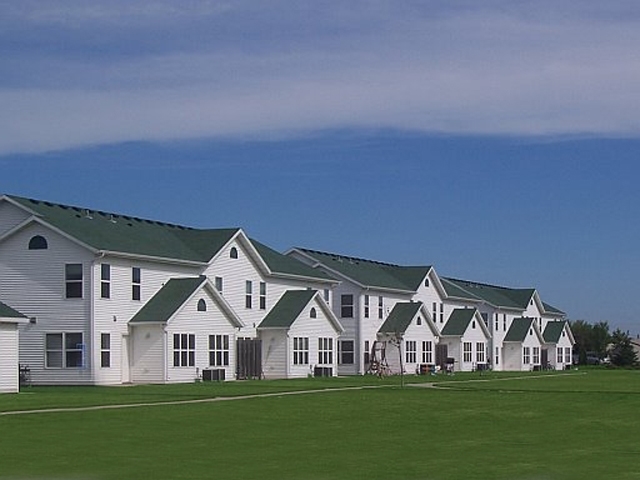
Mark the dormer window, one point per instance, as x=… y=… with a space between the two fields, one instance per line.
x=233 y=253
x=202 y=305
x=38 y=243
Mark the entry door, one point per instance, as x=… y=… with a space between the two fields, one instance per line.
x=442 y=352
x=124 y=360
x=544 y=358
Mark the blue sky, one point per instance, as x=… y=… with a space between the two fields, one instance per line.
x=497 y=141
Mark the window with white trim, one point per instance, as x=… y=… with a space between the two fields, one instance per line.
x=219 y=284
x=435 y=312
x=467 y=355
x=380 y=307
x=559 y=355
x=326 y=295
x=248 y=297
x=136 y=283
x=480 y=352
x=536 y=355
x=64 y=350
x=442 y=313
x=567 y=355
x=38 y=242
x=366 y=306
x=346 y=352
x=105 y=280
x=427 y=351
x=263 y=296
x=219 y=350
x=497 y=355
x=233 y=253
x=105 y=350
x=301 y=350
x=346 y=306
x=325 y=351
x=526 y=355
x=410 y=347
x=184 y=350
x=202 y=305
x=73 y=280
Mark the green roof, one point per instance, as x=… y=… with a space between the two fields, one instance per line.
x=553 y=331
x=453 y=290
x=132 y=235
x=458 y=322
x=371 y=273
x=167 y=301
x=7 y=312
x=519 y=329
x=279 y=263
x=517 y=298
x=400 y=317
x=551 y=309
x=288 y=309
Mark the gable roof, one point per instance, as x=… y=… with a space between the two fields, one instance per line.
x=401 y=316
x=458 y=322
x=6 y=312
x=504 y=297
x=553 y=331
x=519 y=329
x=123 y=234
x=289 y=307
x=370 y=273
x=552 y=310
x=173 y=295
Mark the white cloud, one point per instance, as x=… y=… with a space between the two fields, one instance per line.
x=171 y=75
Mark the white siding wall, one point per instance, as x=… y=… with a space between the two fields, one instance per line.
x=113 y=314
x=312 y=328
x=274 y=353
x=33 y=282
x=147 y=354
x=416 y=333
x=235 y=272
x=8 y=358
x=202 y=324
x=351 y=326
x=10 y=216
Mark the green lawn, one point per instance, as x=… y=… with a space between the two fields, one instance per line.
x=577 y=426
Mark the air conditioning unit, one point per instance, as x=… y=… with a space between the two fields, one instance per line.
x=210 y=375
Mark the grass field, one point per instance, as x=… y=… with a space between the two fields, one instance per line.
x=578 y=426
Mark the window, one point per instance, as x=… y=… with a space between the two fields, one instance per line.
x=105 y=280
x=184 y=350
x=346 y=352
x=485 y=318
x=218 y=281
x=410 y=351
x=202 y=305
x=248 y=298
x=419 y=321
x=427 y=352
x=435 y=312
x=504 y=322
x=366 y=306
x=325 y=351
x=559 y=355
x=346 y=306
x=38 y=243
x=73 y=280
x=426 y=282
x=466 y=354
x=326 y=295
x=105 y=350
x=473 y=324
x=136 y=282
x=263 y=296
x=442 y=313
x=367 y=353
x=313 y=313
x=480 y=352
x=497 y=355
x=301 y=350
x=497 y=325
x=380 y=307
x=64 y=350
x=526 y=355
x=219 y=350
x=536 y=355
x=567 y=355
x=233 y=253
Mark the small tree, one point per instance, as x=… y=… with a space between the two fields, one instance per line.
x=622 y=352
